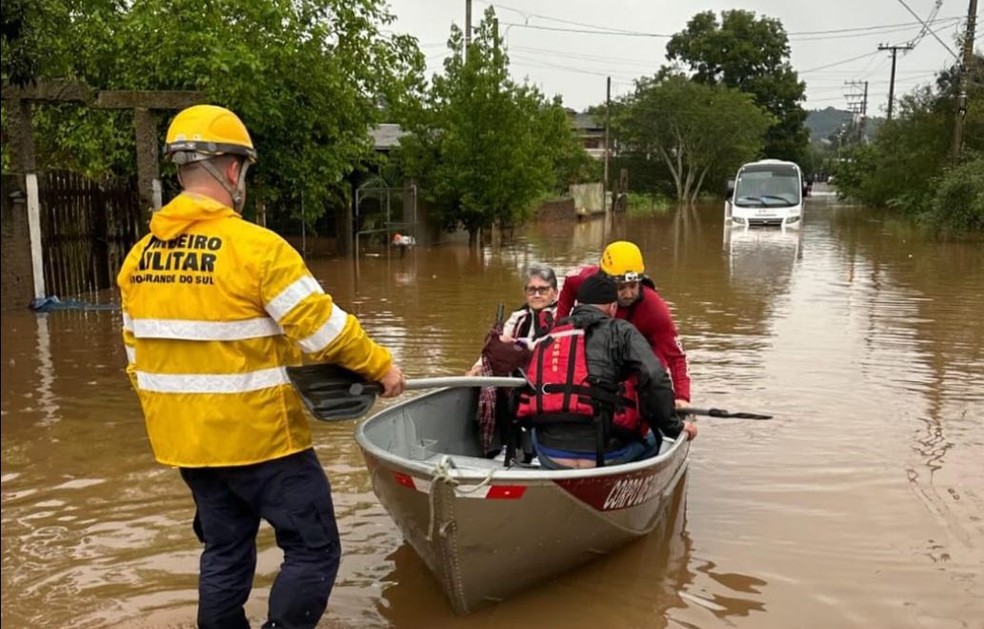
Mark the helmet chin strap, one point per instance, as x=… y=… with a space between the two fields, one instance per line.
x=237 y=192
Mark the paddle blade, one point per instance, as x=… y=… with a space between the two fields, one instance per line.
x=331 y=392
x=720 y=412
x=739 y=415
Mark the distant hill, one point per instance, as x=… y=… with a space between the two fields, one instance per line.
x=824 y=122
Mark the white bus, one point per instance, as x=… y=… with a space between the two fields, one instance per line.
x=767 y=192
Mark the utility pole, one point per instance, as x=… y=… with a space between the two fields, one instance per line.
x=963 y=80
x=864 y=112
x=891 y=83
x=468 y=4
x=858 y=105
x=608 y=123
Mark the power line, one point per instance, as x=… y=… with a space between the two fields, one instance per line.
x=590 y=29
x=587 y=31
x=528 y=62
x=598 y=30
x=866 y=32
x=926 y=28
x=876 y=27
x=837 y=63
x=527 y=15
x=599 y=58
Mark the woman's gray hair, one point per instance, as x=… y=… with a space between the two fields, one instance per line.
x=545 y=273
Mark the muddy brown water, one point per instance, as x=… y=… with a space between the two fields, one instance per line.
x=860 y=505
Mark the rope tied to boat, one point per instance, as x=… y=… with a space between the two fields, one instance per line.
x=442 y=474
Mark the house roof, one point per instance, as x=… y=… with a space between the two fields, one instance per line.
x=386 y=136
x=587 y=122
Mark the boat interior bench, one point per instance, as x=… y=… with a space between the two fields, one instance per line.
x=438 y=424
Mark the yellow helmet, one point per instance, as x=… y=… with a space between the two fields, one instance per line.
x=623 y=261
x=203 y=131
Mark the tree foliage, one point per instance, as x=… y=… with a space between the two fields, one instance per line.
x=909 y=160
x=692 y=128
x=308 y=77
x=957 y=204
x=750 y=54
x=484 y=148
x=908 y=150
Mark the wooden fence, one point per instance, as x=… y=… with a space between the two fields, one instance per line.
x=87 y=228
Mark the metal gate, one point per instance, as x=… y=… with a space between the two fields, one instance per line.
x=87 y=228
x=381 y=209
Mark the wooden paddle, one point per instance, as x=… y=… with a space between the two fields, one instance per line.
x=332 y=392
x=720 y=412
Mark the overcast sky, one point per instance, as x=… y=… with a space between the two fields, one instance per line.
x=833 y=41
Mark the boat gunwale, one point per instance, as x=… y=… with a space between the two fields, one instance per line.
x=426 y=467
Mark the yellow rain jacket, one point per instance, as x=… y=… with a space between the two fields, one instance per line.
x=214 y=309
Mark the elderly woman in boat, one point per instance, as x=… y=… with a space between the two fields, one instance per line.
x=534 y=318
x=507 y=348
x=594 y=367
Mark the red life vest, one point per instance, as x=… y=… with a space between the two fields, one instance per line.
x=563 y=391
x=559 y=374
x=627 y=417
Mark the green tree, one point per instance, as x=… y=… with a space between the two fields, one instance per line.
x=484 y=148
x=58 y=39
x=54 y=38
x=308 y=77
x=690 y=127
x=750 y=54
x=19 y=52
x=957 y=204
x=907 y=152
x=909 y=160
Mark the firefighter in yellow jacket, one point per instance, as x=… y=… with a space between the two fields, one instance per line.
x=214 y=309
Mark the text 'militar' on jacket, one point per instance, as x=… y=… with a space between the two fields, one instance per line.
x=214 y=309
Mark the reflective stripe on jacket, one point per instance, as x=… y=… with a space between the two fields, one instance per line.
x=214 y=309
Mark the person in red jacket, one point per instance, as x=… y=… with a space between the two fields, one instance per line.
x=641 y=305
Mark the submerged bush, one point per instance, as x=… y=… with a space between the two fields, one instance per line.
x=958 y=203
x=645 y=204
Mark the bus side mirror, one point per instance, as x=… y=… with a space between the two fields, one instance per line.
x=730 y=190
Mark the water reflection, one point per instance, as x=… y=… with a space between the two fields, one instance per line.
x=761 y=261
x=654 y=574
x=863 y=338
x=759 y=265
x=45 y=372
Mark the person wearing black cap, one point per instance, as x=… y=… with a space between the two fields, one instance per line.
x=599 y=394
x=640 y=304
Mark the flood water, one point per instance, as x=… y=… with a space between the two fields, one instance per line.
x=860 y=505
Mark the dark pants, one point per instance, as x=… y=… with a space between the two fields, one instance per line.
x=294 y=496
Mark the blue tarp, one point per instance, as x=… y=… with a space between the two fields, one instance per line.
x=50 y=304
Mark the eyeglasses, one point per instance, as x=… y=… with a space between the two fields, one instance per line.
x=538 y=290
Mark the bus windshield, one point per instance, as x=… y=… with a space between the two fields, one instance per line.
x=772 y=185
